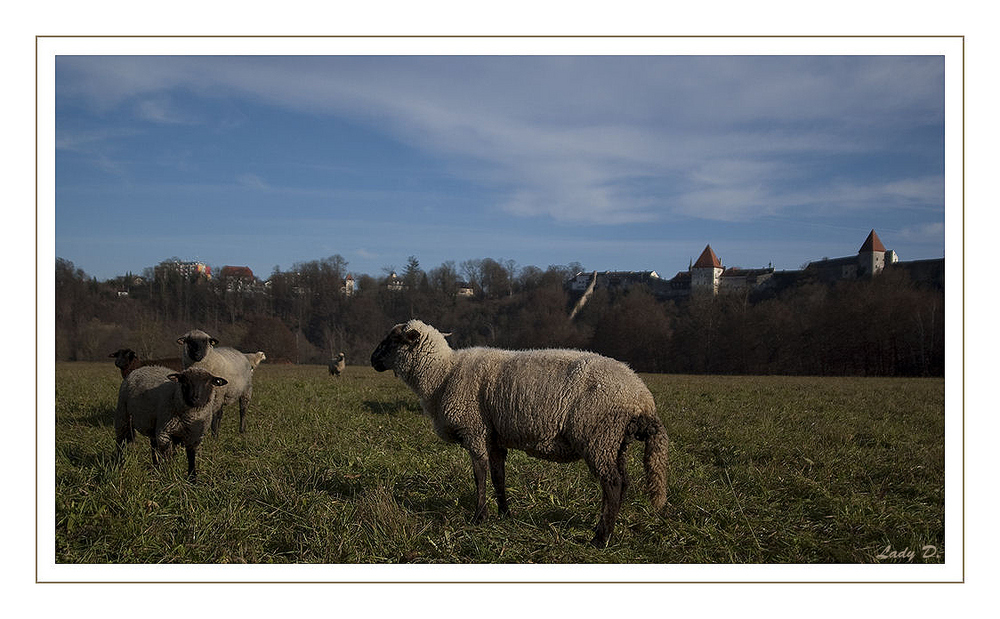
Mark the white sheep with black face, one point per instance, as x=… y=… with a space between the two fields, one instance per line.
x=559 y=405
x=169 y=407
x=199 y=349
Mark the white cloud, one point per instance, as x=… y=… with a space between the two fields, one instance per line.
x=251 y=181
x=160 y=110
x=570 y=138
x=923 y=233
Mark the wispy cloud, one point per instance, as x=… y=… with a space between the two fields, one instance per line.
x=602 y=140
x=161 y=110
x=251 y=181
x=923 y=233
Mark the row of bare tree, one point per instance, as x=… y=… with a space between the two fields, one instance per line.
x=885 y=326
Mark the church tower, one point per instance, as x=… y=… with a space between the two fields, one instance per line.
x=871 y=256
x=705 y=273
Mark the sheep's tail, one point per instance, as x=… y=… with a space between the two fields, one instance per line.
x=650 y=430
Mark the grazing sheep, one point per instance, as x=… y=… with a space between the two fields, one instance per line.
x=559 y=405
x=169 y=407
x=200 y=350
x=255 y=358
x=127 y=360
x=337 y=364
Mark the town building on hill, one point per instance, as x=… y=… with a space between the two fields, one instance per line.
x=464 y=289
x=870 y=260
x=394 y=283
x=708 y=277
x=348 y=288
x=237 y=279
x=613 y=279
x=186 y=270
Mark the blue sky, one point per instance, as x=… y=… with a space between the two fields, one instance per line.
x=615 y=162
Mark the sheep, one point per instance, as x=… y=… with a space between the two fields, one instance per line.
x=127 y=360
x=558 y=405
x=199 y=349
x=337 y=364
x=255 y=358
x=169 y=407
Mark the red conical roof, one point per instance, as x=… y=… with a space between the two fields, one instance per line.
x=708 y=259
x=872 y=243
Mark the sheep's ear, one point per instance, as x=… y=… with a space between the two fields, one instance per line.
x=213 y=341
x=176 y=377
x=181 y=340
x=448 y=334
x=411 y=337
x=114 y=354
x=218 y=382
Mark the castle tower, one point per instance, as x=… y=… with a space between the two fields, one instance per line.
x=705 y=273
x=871 y=256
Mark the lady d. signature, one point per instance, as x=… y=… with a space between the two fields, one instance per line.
x=926 y=552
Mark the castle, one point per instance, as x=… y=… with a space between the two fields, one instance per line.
x=707 y=277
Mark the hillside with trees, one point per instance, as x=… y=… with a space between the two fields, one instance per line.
x=885 y=326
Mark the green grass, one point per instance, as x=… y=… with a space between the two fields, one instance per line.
x=763 y=470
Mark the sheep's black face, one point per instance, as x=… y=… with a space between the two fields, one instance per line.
x=196 y=345
x=123 y=357
x=385 y=352
x=197 y=386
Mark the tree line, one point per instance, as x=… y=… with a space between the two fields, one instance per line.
x=885 y=326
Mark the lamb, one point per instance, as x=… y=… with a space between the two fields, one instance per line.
x=558 y=405
x=127 y=360
x=255 y=358
x=201 y=350
x=337 y=365
x=169 y=407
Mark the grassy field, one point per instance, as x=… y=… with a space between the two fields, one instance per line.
x=763 y=470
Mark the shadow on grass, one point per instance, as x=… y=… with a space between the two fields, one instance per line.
x=96 y=417
x=417 y=494
x=395 y=407
x=325 y=481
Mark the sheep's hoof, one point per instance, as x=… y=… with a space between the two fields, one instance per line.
x=479 y=516
x=599 y=542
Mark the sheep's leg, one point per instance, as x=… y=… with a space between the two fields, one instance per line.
x=153 y=451
x=612 y=486
x=161 y=449
x=192 y=451
x=216 y=422
x=244 y=405
x=611 y=502
x=622 y=468
x=498 y=461
x=479 y=466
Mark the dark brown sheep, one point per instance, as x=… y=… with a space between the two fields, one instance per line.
x=127 y=360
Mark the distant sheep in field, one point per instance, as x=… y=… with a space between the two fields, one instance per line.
x=169 y=407
x=127 y=360
x=337 y=365
x=559 y=405
x=255 y=358
x=200 y=350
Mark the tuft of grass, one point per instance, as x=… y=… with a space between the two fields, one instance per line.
x=763 y=470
